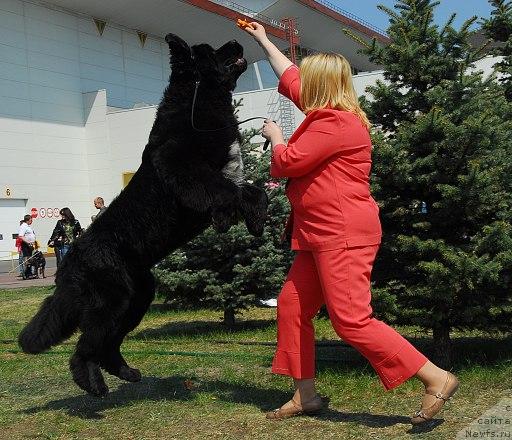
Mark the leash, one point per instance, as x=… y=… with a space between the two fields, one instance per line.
x=22 y=264
x=236 y=124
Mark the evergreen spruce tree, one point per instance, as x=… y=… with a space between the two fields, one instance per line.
x=499 y=28
x=233 y=270
x=442 y=167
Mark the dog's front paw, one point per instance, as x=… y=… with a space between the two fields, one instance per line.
x=129 y=374
x=254 y=206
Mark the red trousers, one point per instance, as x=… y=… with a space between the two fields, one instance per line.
x=340 y=279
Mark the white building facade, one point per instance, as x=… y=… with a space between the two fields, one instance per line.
x=76 y=108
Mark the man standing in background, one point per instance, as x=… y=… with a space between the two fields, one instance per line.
x=20 y=253
x=99 y=203
x=28 y=238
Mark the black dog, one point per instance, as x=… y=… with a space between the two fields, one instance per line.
x=34 y=266
x=187 y=180
x=38 y=262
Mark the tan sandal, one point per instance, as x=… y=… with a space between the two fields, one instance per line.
x=425 y=414
x=311 y=407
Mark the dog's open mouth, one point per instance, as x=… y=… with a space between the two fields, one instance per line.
x=239 y=61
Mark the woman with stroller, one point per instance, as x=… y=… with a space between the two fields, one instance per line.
x=66 y=231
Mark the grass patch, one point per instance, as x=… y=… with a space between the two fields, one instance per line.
x=204 y=382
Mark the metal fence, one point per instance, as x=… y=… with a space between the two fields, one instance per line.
x=352 y=17
x=250 y=13
x=276 y=23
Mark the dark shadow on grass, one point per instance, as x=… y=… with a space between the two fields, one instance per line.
x=468 y=351
x=200 y=328
x=177 y=388
x=377 y=420
x=180 y=388
x=426 y=427
x=268 y=399
x=148 y=389
x=363 y=418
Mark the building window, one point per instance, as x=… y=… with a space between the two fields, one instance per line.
x=126 y=178
x=247 y=81
x=268 y=77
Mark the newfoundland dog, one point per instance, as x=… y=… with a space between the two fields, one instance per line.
x=190 y=177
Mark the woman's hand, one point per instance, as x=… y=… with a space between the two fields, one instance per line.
x=272 y=132
x=277 y=59
x=258 y=31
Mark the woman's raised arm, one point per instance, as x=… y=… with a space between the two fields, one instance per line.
x=276 y=58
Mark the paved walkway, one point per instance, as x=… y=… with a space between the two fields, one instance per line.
x=12 y=280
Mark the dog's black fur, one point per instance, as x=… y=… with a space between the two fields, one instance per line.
x=104 y=285
x=39 y=263
x=35 y=266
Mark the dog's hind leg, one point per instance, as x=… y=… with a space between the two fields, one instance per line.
x=84 y=366
x=99 y=321
x=112 y=360
x=97 y=326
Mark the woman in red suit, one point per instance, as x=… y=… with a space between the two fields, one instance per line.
x=336 y=233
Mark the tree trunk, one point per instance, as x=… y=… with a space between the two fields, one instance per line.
x=443 y=353
x=229 y=318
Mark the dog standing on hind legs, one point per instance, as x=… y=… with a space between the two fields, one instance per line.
x=191 y=178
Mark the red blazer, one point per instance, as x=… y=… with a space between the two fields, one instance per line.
x=328 y=159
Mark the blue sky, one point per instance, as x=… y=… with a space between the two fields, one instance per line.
x=367 y=10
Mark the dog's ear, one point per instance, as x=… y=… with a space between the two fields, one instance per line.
x=179 y=49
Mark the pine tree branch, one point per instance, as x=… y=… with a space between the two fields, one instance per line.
x=427 y=19
x=464 y=30
x=389 y=12
x=480 y=50
x=447 y=25
x=359 y=40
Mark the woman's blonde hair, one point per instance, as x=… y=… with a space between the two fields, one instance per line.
x=326 y=82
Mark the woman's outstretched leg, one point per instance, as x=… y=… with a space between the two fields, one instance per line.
x=345 y=277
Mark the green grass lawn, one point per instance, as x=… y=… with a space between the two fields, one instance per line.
x=203 y=382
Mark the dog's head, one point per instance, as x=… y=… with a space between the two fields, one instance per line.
x=217 y=68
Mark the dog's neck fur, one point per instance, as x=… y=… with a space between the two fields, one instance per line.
x=177 y=106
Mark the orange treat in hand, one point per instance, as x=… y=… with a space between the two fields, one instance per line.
x=241 y=23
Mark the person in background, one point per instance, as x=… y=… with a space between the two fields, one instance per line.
x=28 y=238
x=66 y=231
x=336 y=232
x=56 y=244
x=20 y=252
x=99 y=204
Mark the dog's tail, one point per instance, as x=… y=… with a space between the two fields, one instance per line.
x=55 y=321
